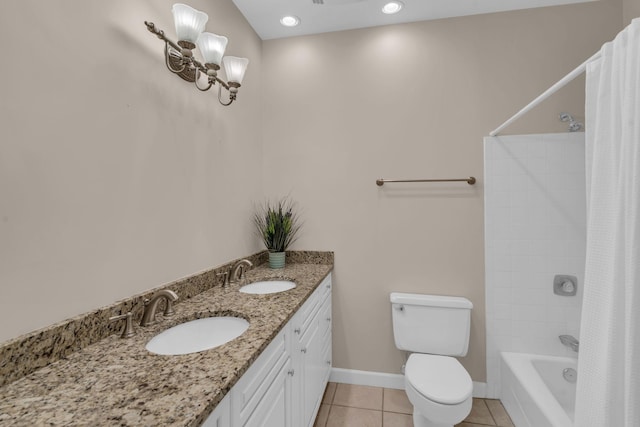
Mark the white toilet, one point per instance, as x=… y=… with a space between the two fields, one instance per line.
x=434 y=328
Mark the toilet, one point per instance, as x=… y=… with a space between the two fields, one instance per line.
x=434 y=329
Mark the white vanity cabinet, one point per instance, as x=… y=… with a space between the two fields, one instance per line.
x=311 y=353
x=262 y=397
x=221 y=416
x=285 y=385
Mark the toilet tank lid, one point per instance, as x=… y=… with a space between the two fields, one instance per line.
x=431 y=300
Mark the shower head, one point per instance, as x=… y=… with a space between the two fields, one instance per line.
x=574 y=125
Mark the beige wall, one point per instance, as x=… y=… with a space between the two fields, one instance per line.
x=630 y=10
x=115 y=175
x=411 y=101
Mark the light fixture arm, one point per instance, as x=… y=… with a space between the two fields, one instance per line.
x=191 y=68
x=231 y=97
x=206 y=88
x=168 y=62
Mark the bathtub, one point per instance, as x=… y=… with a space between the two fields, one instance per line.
x=534 y=391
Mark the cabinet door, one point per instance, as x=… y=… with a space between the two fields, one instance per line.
x=314 y=369
x=274 y=409
x=297 y=362
x=250 y=390
x=221 y=416
x=325 y=330
x=311 y=348
x=317 y=362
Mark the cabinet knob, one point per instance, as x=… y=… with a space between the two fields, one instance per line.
x=328 y=286
x=296 y=330
x=328 y=319
x=304 y=350
x=329 y=362
x=291 y=372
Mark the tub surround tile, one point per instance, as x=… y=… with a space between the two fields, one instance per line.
x=98 y=378
x=534 y=228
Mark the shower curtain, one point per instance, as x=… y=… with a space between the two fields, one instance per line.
x=608 y=388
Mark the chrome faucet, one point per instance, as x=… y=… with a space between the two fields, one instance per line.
x=570 y=341
x=236 y=272
x=149 y=315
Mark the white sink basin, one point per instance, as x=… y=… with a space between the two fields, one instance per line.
x=197 y=335
x=268 y=287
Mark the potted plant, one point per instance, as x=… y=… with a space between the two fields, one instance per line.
x=277 y=225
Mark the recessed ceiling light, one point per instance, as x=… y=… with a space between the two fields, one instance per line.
x=392 y=7
x=290 y=21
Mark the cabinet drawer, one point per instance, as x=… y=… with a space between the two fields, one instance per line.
x=253 y=384
x=307 y=314
x=325 y=287
x=324 y=318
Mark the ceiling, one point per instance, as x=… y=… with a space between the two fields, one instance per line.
x=321 y=16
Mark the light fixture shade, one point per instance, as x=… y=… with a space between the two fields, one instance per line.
x=212 y=47
x=235 y=68
x=189 y=22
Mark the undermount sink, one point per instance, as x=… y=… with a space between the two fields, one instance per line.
x=197 y=335
x=268 y=287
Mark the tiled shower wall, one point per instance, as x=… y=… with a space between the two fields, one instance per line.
x=535 y=228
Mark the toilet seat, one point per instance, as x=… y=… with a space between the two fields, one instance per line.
x=440 y=379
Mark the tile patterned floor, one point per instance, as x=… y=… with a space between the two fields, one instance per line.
x=346 y=405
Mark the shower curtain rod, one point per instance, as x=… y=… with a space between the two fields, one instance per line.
x=553 y=89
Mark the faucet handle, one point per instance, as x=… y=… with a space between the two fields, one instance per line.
x=225 y=278
x=127 y=331
x=168 y=308
x=241 y=271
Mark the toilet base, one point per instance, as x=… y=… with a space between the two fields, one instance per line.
x=420 y=421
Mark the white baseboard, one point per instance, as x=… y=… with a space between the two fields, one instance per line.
x=479 y=389
x=375 y=379
x=381 y=379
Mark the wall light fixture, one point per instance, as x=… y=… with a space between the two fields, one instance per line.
x=179 y=58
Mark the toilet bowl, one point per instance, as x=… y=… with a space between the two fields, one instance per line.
x=439 y=388
x=433 y=329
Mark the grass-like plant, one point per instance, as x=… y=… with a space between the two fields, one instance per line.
x=277 y=224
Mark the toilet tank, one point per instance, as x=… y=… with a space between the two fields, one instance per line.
x=433 y=324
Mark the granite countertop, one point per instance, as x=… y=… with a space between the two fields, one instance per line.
x=118 y=382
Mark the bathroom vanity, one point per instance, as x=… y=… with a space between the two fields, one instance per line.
x=273 y=374
x=284 y=386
